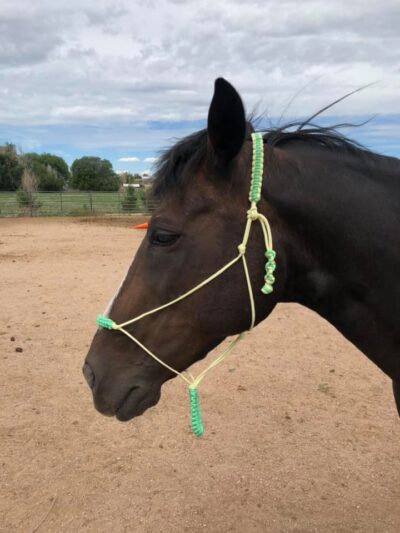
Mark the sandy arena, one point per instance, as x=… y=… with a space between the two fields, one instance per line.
x=302 y=434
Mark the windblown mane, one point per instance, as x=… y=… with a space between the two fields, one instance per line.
x=174 y=163
x=178 y=163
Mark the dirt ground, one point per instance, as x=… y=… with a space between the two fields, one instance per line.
x=301 y=429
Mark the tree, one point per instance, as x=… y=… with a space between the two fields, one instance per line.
x=27 y=201
x=57 y=163
x=93 y=174
x=129 y=200
x=51 y=171
x=133 y=197
x=10 y=168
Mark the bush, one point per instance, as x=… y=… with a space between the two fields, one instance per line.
x=26 y=200
x=93 y=174
x=129 y=200
x=141 y=199
x=29 y=181
x=10 y=168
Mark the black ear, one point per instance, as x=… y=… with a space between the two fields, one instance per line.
x=226 y=121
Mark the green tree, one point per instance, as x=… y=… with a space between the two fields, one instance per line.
x=27 y=201
x=57 y=163
x=129 y=200
x=50 y=180
x=140 y=198
x=51 y=171
x=11 y=168
x=93 y=174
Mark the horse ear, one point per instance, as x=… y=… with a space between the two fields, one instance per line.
x=226 y=121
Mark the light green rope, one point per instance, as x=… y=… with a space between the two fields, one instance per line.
x=252 y=215
x=195 y=412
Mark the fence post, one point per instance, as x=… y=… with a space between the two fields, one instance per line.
x=61 y=203
x=91 y=201
x=31 y=199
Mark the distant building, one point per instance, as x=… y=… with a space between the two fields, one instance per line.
x=148 y=180
x=135 y=181
x=133 y=185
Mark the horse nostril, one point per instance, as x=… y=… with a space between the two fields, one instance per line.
x=89 y=375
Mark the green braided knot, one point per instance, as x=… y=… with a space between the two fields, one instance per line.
x=270 y=267
x=269 y=278
x=104 y=322
x=257 y=167
x=270 y=254
x=267 y=289
x=195 y=413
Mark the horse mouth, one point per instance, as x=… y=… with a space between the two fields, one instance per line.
x=136 y=402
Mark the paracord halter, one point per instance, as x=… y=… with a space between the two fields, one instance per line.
x=269 y=279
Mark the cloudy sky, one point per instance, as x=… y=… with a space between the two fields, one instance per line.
x=121 y=79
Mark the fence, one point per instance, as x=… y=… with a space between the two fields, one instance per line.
x=79 y=203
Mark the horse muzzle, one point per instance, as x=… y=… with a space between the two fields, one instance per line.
x=124 y=398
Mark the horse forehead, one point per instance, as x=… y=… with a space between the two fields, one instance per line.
x=190 y=202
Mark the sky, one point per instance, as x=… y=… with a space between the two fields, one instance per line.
x=123 y=79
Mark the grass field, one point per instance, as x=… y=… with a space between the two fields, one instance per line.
x=69 y=204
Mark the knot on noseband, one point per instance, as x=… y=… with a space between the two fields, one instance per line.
x=242 y=249
x=252 y=213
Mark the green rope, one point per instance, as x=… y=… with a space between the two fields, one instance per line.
x=104 y=322
x=257 y=167
x=195 y=412
x=269 y=279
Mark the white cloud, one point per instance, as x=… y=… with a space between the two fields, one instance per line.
x=130 y=159
x=124 y=65
x=150 y=159
x=84 y=58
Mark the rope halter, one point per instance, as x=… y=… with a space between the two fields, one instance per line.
x=269 y=279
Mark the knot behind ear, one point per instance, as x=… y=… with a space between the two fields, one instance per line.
x=226 y=121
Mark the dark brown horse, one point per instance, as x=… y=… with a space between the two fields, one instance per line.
x=334 y=210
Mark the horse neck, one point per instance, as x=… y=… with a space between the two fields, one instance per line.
x=331 y=220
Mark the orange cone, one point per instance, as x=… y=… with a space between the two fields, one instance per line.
x=145 y=225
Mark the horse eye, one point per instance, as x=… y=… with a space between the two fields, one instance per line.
x=163 y=238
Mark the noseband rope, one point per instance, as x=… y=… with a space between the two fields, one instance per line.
x=269 y=279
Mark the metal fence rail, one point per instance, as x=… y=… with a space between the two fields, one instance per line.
x=77 y=203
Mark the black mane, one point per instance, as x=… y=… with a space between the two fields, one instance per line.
x=183 y=158
x=174 y=163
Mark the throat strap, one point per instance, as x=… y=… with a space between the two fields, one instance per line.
x=252 y=216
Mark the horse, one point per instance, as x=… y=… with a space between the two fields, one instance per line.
x=334 y=210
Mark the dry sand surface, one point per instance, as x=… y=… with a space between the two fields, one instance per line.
x=301 y=429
